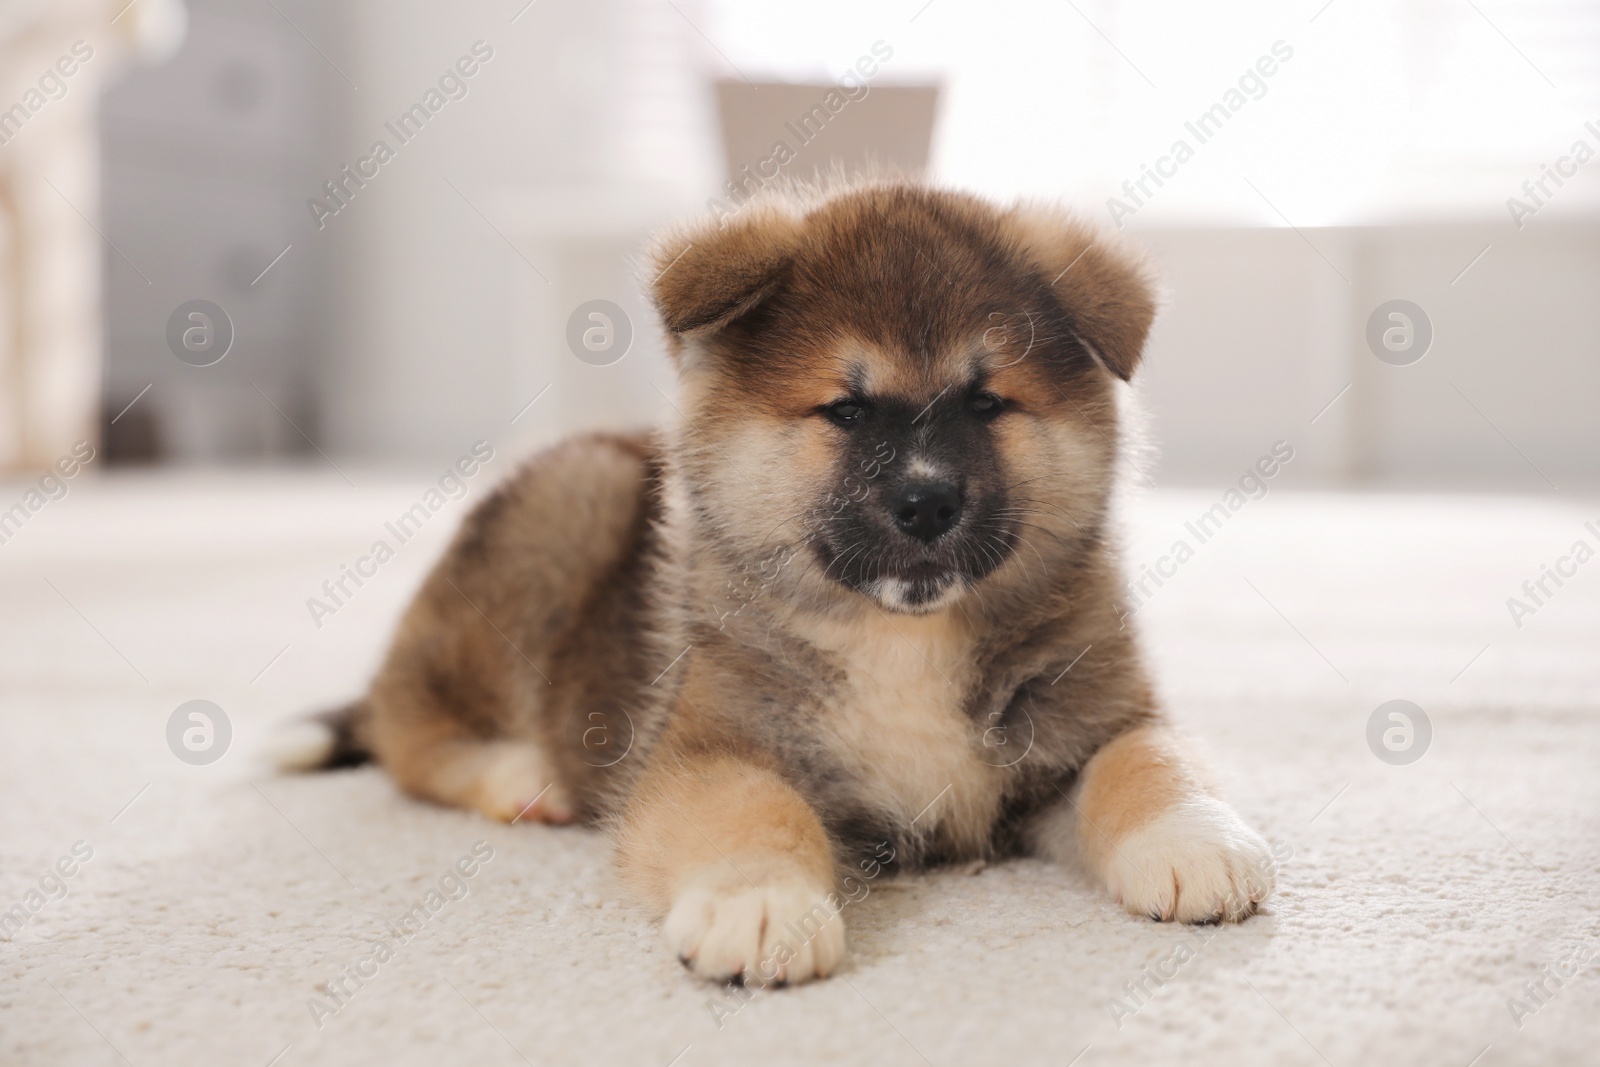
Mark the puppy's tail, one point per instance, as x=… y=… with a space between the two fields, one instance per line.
x=336 y=738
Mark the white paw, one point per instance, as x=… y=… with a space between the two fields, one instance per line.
x=1196 y=862
x=721 y=927
x=515 y=783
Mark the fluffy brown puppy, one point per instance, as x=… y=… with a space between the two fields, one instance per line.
x=858 y=609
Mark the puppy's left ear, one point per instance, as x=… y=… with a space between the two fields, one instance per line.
x=1106 y=289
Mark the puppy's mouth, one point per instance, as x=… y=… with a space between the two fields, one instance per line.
x=912 y=587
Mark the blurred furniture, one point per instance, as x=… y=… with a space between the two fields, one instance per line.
x=856 y=128
x=208 y=162
x=50 y=250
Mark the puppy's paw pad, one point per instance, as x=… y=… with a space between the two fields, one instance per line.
x=1197 y=862
x=516 y=783
x=725 y=929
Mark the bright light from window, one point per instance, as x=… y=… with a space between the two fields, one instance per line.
x=1370 y=112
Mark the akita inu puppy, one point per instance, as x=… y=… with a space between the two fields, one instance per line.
x=857 y=609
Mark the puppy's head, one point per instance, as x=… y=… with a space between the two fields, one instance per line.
x=898 y=392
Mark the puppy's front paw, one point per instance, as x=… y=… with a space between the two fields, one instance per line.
x=722 y=928
x=1196 y=862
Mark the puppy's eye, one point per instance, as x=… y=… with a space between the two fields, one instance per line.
x=986 y=405
x=846 y=412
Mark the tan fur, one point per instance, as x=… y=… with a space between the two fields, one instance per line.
x=482 y=652
x=1127 y=784
x=1146 y=822
x=732 y=856
x=1095 y=272
x=902 y=724
x=800 y=680
x=723 y=813
x=721 y=279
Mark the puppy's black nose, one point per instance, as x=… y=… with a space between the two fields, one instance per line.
x=926 y=509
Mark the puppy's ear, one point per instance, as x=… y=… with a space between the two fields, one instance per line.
x=706 y=276
x=1106 y=289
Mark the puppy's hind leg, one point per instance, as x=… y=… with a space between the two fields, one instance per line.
x=445 y=738
x=509 y=781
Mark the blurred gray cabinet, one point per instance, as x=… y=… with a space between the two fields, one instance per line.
x=207 y=162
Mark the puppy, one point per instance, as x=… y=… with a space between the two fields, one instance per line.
x=857 y=610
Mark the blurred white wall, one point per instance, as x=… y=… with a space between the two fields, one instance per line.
x=457 y=266
x=1260 y=334
x=1368 y=152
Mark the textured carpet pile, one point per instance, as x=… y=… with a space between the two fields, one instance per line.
x=1426 y=914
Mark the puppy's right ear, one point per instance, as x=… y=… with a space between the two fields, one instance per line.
x=708 y=275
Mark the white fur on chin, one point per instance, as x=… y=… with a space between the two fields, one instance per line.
x=894 y=595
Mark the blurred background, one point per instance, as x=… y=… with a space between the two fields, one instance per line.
x=1294 y=169
x=272 y=272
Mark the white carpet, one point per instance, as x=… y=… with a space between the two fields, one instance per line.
x=1418 y=900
